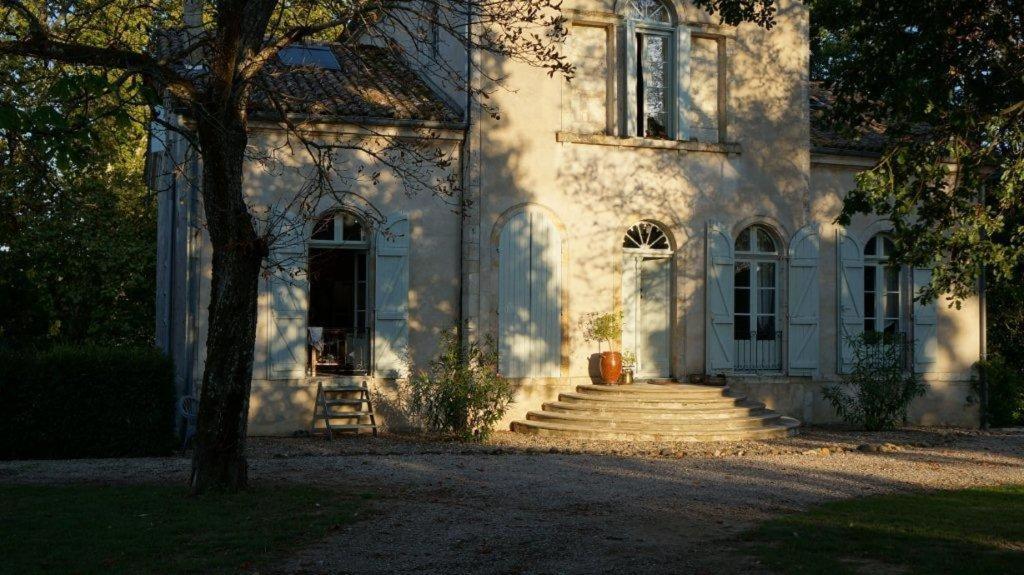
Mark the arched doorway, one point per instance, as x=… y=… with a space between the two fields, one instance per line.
x=647 y=299
x=339 y=292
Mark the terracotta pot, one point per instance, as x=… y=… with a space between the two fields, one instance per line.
x=611 y=367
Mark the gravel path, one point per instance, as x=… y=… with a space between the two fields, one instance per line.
x=511 y=506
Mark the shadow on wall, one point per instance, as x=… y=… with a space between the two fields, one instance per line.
x=597 y=192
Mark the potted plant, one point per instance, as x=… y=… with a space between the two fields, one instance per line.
x=606 y=328
x=628 y=365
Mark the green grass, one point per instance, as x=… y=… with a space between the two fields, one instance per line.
x=158 y=529
x=968 y=531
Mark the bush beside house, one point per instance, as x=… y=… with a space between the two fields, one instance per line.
x=1005 y=392
x=86 y=401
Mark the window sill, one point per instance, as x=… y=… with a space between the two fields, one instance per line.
x=679 y=145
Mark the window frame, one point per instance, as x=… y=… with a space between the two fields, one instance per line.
x=877 y=264
x=677 y=37
x=755 y=258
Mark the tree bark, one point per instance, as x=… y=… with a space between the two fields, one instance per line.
x=219 y=462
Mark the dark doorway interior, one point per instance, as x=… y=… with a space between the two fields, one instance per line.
x=338 y=291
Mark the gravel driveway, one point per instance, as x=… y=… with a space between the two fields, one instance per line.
x=514 y=507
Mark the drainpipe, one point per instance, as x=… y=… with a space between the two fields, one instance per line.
x=464 y=168
x=983 y=336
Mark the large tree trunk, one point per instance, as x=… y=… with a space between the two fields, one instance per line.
x=219 y=461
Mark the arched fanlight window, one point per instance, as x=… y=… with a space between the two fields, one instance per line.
x=646 y=236
x=649 y=10
x=339 y=228
x=651 y=69
x=756 y=239
x=883 y=287
x=757 y=331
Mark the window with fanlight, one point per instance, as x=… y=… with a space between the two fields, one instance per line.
x=757 y=331
x=339 y=292
x=651 y=50
x=883 y=288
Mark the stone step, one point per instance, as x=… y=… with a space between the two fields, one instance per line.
x=645 y=390
x=656 y=425
x=644 y=401
x=785 y=426
x=698 y=411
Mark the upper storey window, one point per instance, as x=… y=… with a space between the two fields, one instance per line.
x=652 y=47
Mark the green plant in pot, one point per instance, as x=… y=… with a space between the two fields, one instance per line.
x=605 y=328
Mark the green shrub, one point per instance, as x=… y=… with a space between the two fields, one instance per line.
x=461 y=393
x=1005 y=392
x=86 y=401
x=881 y=388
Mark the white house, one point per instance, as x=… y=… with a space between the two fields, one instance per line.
x=680 y=179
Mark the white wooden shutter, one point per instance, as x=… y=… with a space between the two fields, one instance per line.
x=288 y=287
x=804 y=301
x=719 y=344
x=529 y=297
x=683 y=101
x=391 y=298
x=629 y=44
x=926 y=344
x=545 y=296
x=850 y=288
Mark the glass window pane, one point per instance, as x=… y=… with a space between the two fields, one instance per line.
x=741 y=300
x=765 y=243
x=892 y=305
x=766 y=303
x=743 y=241
x=650 y=10
x=887 y=246
x=869 y=304
x=766 y=274
x=766 y=327
x=892 y=279
x=871 y=248
x=892 y=326
x=869 y=325
x=352 y=229
x=742 y=276
x=869 y=278
x=653 y=80
x=324 y=229
x=742 y=328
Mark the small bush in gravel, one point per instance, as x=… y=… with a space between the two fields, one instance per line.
x=878 y=390
x=461 y=393
x=1005 y=392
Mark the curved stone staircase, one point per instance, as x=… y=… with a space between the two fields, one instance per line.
x=656 y=412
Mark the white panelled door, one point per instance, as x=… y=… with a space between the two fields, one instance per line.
x=653 y=321
x=804 y=301
x=719 y=344
x=288 y=288
x=850 y=288
x=391 y=298
x=926 y=342
x=529 y=297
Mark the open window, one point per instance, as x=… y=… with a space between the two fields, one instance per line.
x=651 y=41
x=339 y=288
x=883 y=289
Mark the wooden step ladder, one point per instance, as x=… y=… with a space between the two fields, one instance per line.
x=354 y=402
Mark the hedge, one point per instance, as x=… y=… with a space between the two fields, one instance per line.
x=86 y=401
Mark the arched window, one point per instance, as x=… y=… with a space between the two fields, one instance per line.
x=757 y=331
x=645 y=236
x=651 y=67
x=883 y=287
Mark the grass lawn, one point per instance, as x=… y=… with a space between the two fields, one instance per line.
x=157 y=529
x=969 y=531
